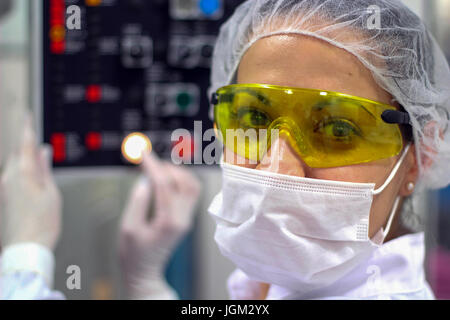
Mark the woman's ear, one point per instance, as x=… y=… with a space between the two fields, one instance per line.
x=412 y=173
x=429 y=150
x=428 y=145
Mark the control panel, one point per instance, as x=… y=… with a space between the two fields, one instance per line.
x=115 y=67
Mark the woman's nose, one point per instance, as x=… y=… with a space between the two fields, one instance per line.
x=281 y=158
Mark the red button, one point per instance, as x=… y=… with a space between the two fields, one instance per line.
x=57 y=13
x=57 y=20
x=59 y=156
x=93 y=141
x=58 y=141
x=57 y=3
x=57 y=47
x=93 y=93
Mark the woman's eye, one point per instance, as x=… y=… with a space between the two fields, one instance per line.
x=338 y=129
x=253 y=118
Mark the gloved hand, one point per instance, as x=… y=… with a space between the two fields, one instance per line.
x=30 y=202
x=146 y=243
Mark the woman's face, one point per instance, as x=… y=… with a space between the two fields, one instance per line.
x=306 y=62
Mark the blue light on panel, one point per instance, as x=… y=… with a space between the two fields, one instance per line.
x=209 y=7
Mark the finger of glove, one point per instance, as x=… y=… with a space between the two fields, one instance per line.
x=29 y=154
x=10 y=169
x=45 y=161
x=188 y=184
x=137 y=206
x=179 y=218
x=168 y=222
x=161 y=181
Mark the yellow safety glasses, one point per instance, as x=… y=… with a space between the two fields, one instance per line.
x=326 y=129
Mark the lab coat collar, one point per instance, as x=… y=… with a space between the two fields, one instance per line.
x=397 y=267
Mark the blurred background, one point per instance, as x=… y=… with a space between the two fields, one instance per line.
x=140 y=66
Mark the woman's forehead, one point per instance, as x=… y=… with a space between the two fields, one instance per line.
x=307 y=62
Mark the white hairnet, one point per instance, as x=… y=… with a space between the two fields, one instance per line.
x=402 y=55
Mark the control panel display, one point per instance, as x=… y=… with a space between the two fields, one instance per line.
x=125 y=66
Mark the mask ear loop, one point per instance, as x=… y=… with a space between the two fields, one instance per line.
x=391 y=217
x=397 y=199
x=393 y=173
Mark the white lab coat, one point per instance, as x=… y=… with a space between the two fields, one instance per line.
x=395 y=271
x=27 y=272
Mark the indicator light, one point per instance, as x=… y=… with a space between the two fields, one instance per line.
x=57 y=33
x=57 y=47
x=183 y=100
x=93 y=93
x=134 y=145
x=209 y=7
x=93 y=3
x=93 y=141
x=58 y=141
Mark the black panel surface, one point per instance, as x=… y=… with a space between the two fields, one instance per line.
x=132 y=66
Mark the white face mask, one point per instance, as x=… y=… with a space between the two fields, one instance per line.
x=298 y=233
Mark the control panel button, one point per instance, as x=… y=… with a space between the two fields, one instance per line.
x=173 y=100
x=134 y=145
x=137 y=51
x=93 y=141
x=58 y=142
x=93 y=93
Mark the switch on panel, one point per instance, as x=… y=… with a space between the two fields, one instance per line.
x=173 y=99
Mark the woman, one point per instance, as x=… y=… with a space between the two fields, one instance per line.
x=360 y=109
x=358 y=92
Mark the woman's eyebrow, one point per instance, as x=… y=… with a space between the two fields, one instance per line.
x=257 y=95
x=326 y=104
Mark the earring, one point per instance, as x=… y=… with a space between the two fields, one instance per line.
x=410 y=186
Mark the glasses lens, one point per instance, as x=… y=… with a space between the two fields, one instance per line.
x=326 y=129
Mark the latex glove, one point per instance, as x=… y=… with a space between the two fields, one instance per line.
x=30 y=201
x=146 y=243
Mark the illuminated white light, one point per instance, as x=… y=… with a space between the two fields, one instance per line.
x=323 y=93
x=289 y=91
x=134 y=145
